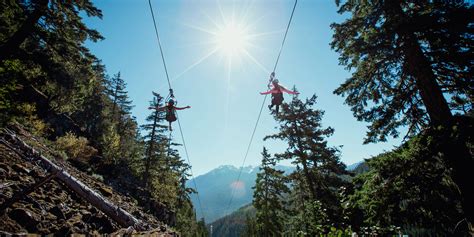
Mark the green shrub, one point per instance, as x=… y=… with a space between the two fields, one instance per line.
x=75 y=147
x=98 y=177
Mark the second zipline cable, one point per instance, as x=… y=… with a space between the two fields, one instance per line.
x=261 y=108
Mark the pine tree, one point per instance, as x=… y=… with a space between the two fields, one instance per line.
x=409 y=187
x=61 y=24
x=156 y=141
x=407 y=57
x=250 y=227
x=42 y=50
x=120 y=116
x=268 y=197
x=306 y=216
x=164 y=173
x=121 y=105
x=300 y=126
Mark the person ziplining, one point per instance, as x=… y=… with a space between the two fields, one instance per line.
x=277 y=93
x=170 y=110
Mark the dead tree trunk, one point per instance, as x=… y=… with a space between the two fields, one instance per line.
x=116 y=213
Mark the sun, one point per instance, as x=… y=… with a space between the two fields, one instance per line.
x=232 y=40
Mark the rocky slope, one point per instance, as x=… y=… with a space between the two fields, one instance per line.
x=53 y=208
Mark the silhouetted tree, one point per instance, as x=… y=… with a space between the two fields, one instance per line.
x=270 y=186
x=321 y=170
x=407 y=57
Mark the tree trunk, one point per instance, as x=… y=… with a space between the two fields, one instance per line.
x=116 y=213
x=456 y=151
x=304 y=162
x=150 y=151
x=430 y=92
x=13 y=43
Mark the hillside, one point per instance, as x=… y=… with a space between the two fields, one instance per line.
x=53 y=208
x=215 y=190
x=234 y=224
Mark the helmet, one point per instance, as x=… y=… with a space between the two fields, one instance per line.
x=275 y=80
x=171 y=102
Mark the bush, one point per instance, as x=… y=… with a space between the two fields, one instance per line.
x=76 y=148
x=98 y=177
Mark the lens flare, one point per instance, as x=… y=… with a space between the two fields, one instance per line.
x=232 y=40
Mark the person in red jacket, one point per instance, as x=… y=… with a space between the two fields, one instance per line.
x=277 y=93
x=170 y=111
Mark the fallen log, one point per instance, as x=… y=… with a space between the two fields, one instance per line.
x=116 y=213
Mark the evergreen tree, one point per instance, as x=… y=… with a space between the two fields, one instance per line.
x=120 y=116
x=54 y=23
x=250 y=227
x=306 y=216
x=268 y=197
x=407 y=56
x=47 y=38
x=50 y=81
x=156 y=141
x=410 y=187
x=163 y=172
x=201 y=229
x=300 y=126
x=121 y=105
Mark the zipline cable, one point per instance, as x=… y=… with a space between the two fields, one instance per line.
x=284 y=37
x=261 y=109
x=171 y=94
x=246 y=154
x=190 y=169
x=159 y=43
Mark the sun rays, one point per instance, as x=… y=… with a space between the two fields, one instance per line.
x=231 y=36
x=232 y=40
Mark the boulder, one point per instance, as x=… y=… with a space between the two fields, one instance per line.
x=103 y=223
x=57 y=212
x=25 y=218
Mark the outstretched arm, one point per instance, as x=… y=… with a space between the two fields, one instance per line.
x=181 y=108
x=288 y=91
x=272 y=91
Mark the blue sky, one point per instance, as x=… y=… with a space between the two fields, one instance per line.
x=223 y=90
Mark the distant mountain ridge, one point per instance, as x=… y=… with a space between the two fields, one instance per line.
x=232 y=225
x=353 y=166
x=216 y=186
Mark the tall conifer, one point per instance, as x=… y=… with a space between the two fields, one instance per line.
x=270 y=188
